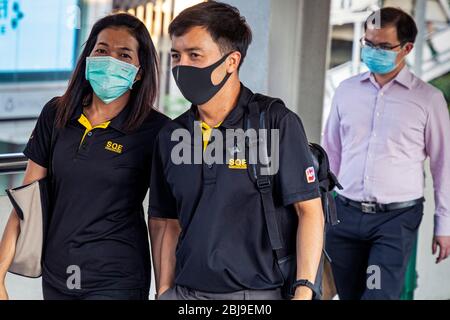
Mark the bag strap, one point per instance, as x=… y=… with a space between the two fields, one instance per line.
x=256 y=121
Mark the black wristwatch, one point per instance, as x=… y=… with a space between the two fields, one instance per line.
x=304 y=283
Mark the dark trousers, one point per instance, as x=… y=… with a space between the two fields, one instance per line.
x=51 y=293
x=366 y=246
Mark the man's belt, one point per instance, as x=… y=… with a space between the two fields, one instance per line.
x=373 y=207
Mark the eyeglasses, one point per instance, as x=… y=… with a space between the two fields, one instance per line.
x=366 y=43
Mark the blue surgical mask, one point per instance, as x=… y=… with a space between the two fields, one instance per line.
x=110 y=78
x=379 y=61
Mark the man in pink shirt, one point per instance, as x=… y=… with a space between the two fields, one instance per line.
x=383 y=125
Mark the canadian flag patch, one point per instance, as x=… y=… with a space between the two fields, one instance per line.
x=311 y=175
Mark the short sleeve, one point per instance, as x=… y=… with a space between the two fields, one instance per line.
x=39 y=144
x=162 y=203
x=296 y=180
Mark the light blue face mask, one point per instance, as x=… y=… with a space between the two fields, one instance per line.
x=379 y=61
x=110 y=78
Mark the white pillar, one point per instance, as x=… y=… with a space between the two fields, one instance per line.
x=356 y=56
x=288 y=56
x=298 y=58
x=255 y=70
x=420 y=13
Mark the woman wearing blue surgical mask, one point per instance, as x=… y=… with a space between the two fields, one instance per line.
x=97 y=140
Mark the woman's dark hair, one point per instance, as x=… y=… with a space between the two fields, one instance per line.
x=145 y=91
x=224 y=22
x=403 y=22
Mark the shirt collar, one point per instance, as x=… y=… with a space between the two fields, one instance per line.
x=365 y=76
x=77 y=113
x=117 y=123
x=233 y=120
x=404 y=78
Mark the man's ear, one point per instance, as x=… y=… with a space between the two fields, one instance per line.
x=233 y=61
x=408 y=48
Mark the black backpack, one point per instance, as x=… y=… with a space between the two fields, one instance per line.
x=282 y=229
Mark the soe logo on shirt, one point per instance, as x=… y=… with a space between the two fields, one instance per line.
x=114 y=147
x=311 y=175
x=239 y=164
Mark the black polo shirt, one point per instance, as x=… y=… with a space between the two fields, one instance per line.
x=224 y=245
x=100 y=179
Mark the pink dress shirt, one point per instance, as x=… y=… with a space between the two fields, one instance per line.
x=379 y=138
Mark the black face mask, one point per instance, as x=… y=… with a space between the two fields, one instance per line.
x=195 y=83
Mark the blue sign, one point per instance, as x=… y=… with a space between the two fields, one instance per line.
x=37 y=36
x=16 y=15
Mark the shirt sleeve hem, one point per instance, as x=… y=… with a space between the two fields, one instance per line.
x=154 y=212
x=35 y=158
x=441 y=226
x=300 y=197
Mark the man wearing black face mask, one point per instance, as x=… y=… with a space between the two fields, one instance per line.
x=208 y=228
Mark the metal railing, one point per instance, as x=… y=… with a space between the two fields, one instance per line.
x=12 y=163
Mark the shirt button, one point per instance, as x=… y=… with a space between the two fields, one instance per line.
x=378 y=114
x=210 y=166
x=382 y=94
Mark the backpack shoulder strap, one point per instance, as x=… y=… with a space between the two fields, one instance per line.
x=256 y=120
